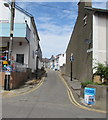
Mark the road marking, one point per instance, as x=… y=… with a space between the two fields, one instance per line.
x=71 y=98
x=73 y=101
x=29 y=91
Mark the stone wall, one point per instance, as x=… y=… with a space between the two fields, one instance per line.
x=101 y=96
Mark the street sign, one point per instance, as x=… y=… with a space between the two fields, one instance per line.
x=8 y=70
x=71 y=58
x=89 y=50
x=7 y=73
x=89 y=95
x=5 y=62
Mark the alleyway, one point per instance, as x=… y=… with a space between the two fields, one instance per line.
x=49 y=101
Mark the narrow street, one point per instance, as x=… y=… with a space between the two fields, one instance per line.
x=49 y=101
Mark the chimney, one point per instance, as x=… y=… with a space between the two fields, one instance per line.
x=84 y=3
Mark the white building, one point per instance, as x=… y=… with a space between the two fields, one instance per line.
x=57 y=61
x=100 y=21
x=62 y=59
x=25 y=36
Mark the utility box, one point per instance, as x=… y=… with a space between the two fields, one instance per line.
x=89 y=95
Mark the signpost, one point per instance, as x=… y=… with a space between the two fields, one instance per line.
x=71 y=59
x=89 y=95
x=7 y=78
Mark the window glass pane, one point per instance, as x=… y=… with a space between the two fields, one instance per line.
x=20 y=58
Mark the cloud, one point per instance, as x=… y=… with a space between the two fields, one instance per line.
x=59 y=0
x=54 y=39
x=54 y=29
x=55 y=26
x=22 y=4
x=99 y=1
x=46 y=0
x=44 y=19
x=53 y=44
x=101 y=5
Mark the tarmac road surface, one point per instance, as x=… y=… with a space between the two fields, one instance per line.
x=50 y=100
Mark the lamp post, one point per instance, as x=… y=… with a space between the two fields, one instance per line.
x=11 y=30
x=8 y=74
x=71 y=59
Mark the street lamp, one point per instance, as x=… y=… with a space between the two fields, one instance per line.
x=12 y=9
x=71 y=59
x=6 y=5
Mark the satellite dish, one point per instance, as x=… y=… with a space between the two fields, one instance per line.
x=87 y=41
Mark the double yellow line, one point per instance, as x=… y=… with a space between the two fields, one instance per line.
x=73 y=101
x=27 y=92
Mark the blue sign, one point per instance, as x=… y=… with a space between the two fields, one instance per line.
x=71 y=58
x=90 y=91
x=89 y=95
x=8 y=69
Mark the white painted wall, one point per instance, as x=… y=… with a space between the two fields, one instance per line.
x=5 y=14
x=40 y=64
x=24 y=49
x=33 y=47
x=4 y=11
x=99 y=39
x=51 y=63
x=107 y=40
x=27 y=50
x=62 y=59
x=59 y=61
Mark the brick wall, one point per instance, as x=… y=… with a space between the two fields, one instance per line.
x=17 y=78
x=2 y=76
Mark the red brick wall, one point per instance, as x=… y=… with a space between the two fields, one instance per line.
x=2 y=76
x=17 y=79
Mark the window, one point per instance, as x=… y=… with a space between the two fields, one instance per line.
x=85 y=20
x=34 y=36
x=20 y=58
x=33 y=54
x=20 y=43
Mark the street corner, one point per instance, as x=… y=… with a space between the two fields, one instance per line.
x=28 y=87
x=7 y=93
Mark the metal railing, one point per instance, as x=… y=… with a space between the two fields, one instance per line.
x=20 y=67
x=17 y=67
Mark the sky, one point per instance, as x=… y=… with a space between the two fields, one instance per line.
x=55 y=22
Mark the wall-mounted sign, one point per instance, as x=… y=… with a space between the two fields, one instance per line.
x=89 y=95
x=4 y=21
x=89 y=50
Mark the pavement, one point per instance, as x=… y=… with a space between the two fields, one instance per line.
x=27 y=87
x=75 y=86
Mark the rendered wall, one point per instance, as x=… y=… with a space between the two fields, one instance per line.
x=99 y=38
x=23 y=49
x=82 y=60
x=107 y=36
x=5 y=13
